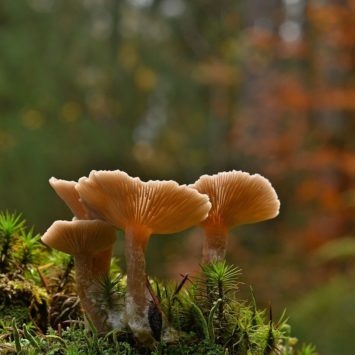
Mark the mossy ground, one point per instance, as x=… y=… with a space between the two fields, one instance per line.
x=40 y=311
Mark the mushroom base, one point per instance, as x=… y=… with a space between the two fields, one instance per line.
x=138 y=322
x=214 y=245
x=89 y=269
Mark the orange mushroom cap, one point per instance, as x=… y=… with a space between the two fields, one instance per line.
x=66 y=191
x=161 y=206
x=79 y=236
x=238 y=198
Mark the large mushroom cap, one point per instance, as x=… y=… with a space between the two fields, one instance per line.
x=238 y=198
x=161 y=206
x=79 y=237
x=66 y=191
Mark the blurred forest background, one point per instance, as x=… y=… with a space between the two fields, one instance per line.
x=172 y=89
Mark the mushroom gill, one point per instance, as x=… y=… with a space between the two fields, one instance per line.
x=140 y=209
x=90 y=242
x=66 y=191
x=237 y=198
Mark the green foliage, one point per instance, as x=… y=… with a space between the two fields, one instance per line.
x=341 y=249
x=11 y=225
x=60 y=272
x=216 y=290
x=203 y=315
x=77 y=340
x=186 y=347
x=64 y=307
x=221 y=277
x=246 y=329
x=29 y=250
x=109 y=292
x=210 y=309
x=20 y=247
x=16 y=336
x=307 y=349
x=29 y=291
x=219 y=281
x=73 y=340
x=23 y=300
x=64 y=302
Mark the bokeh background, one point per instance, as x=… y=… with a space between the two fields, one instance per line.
x=172 y=89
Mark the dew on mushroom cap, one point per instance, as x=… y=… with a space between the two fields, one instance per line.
x=237 y=198
x=66 y=191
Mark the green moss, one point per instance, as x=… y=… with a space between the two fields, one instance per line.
x=22 y=299
x=200 y=316
x=20 y=313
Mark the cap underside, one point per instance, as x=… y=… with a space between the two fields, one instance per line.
x=162 y=206
x=80 y=237
x=66 y=191
x=238 y=198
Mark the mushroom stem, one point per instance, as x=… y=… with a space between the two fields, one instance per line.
x=215 y=244
x=88 y=270
x=136 y=239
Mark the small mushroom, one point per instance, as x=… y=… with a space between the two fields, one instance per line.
x=90 y=242
x=66 y=191
x=140 y=209
x=237 y=198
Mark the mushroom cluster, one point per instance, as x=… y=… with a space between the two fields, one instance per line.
x=109 y=200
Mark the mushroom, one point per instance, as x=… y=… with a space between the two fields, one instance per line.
x=140 y=209
x=237 y=198
x=66 y=191
x=90 y=242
